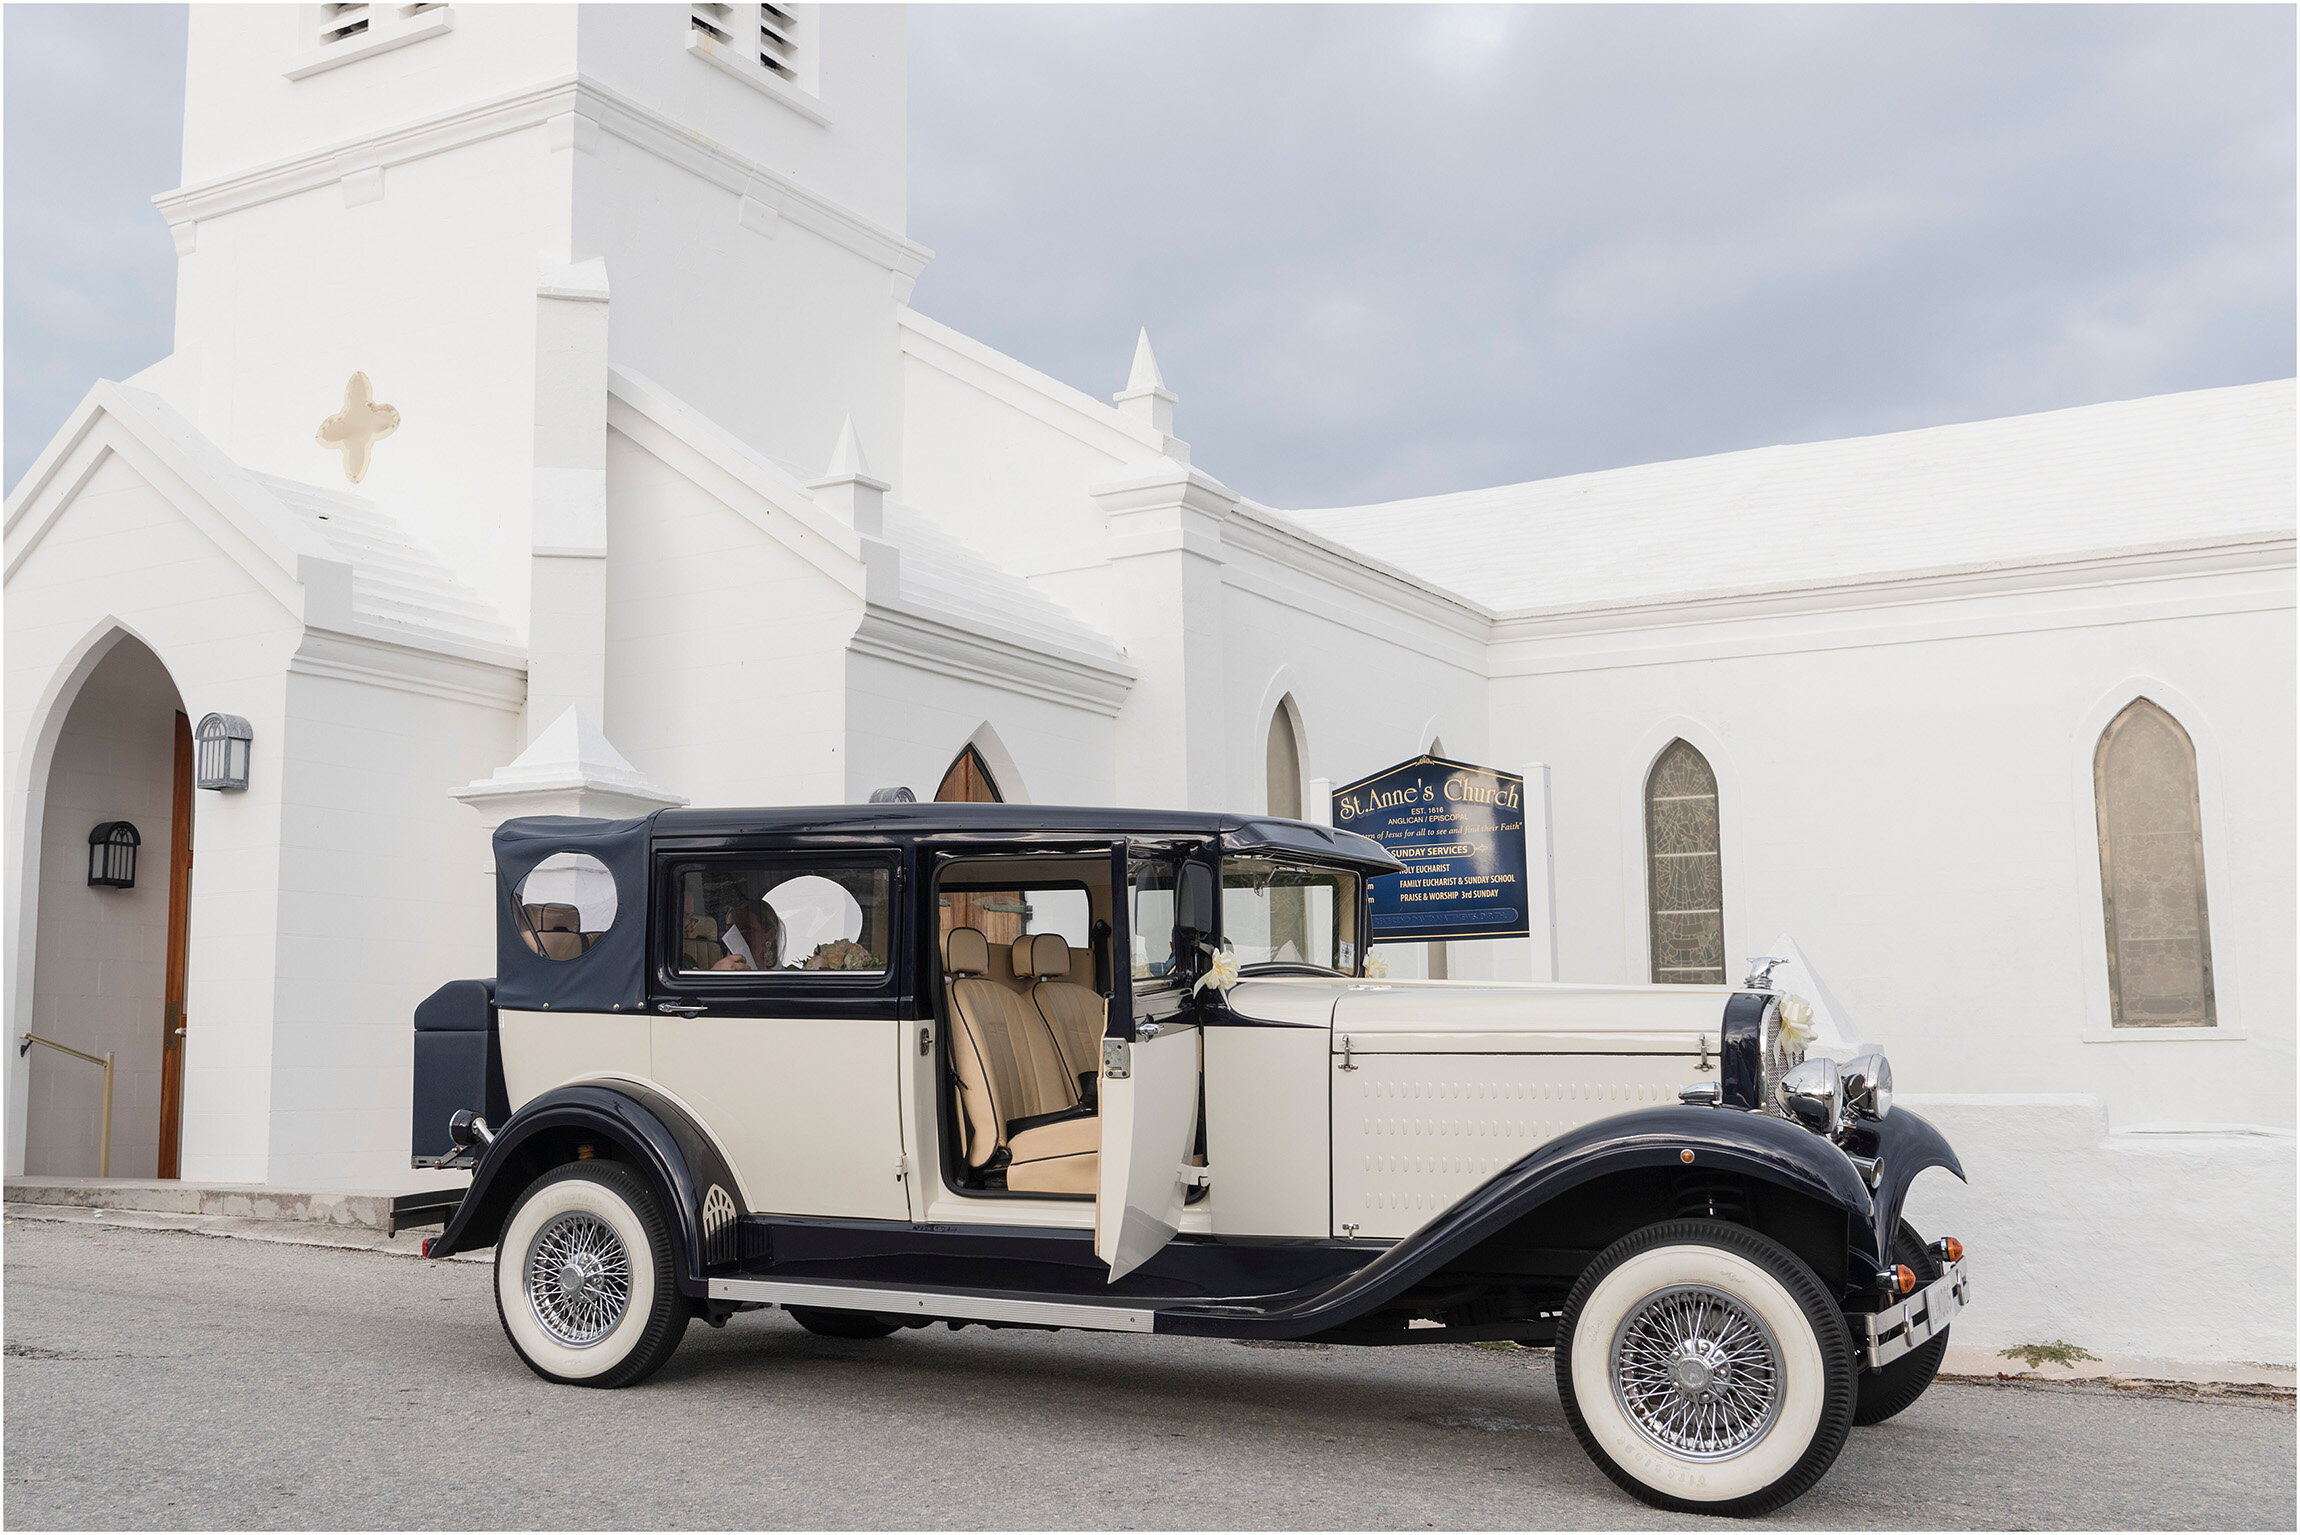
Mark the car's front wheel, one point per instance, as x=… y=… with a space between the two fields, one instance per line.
x=585 y=1280
x=1706 y=1369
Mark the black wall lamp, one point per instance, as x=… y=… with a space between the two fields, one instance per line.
x=112 y=855
x=223 y=751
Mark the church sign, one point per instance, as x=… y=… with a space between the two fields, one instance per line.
x=1460 y=831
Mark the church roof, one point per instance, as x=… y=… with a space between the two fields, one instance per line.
x=2215 y=465
x=942 y=575
x=396 y=583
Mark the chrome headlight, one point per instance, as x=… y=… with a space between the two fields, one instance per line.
x=1868 y=1083
x=1813 y=1095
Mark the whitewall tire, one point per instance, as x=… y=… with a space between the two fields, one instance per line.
x=585 y=1278
x=1706 y=1369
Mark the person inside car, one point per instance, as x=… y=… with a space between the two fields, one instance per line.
x=753 y=942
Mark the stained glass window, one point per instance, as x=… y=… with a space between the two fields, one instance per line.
x=2152 y=872
x=1685 y=877
x=1283 y=761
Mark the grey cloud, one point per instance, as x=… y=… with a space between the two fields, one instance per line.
x=94 y=117
x=1387 y=252
x=1392 y=251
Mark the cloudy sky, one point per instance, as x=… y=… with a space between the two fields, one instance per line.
x=1392 y=251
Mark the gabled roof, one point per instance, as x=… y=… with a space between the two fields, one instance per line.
x=2212 y=466
x=396 y=582
x=338 y=562
x=943 y=577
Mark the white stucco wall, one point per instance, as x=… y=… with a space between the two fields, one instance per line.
x=726 y=650
x=102 y=968
x=385 y=895
x=2172 y=1243
x=711 y=309
x=1911 y=800
x=906 y=725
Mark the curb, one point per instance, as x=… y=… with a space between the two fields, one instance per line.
x=284 y=1233
x=364 y=1208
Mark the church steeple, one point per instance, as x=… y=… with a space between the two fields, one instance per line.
x=370 y=194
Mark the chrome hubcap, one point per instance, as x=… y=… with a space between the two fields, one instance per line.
x=578 y=1278
x=1697 y=1372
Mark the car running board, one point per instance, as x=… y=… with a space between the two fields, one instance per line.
x=1130 y=1316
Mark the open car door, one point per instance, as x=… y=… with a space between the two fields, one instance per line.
x=1150 y=1051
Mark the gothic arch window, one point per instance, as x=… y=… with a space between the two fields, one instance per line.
x=1282 y=760
x=2152 y=872
x=1684 y=871
x=968 y=782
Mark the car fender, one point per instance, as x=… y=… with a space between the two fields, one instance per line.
x=1753 y=1145
x=1904 y=1144
x=676 y=1156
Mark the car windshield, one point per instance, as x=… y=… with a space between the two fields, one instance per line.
x=1277 y=913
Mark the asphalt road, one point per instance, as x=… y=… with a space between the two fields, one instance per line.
x=163 y=1380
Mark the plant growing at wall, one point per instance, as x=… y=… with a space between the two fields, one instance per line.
x=2036 y=1354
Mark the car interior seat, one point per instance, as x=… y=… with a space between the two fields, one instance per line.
x=1075 y=1014
x=1018 y=1102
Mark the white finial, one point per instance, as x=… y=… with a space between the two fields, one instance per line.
x=847 y=459
x=848 y=488
x=1147 y=399
x=1145 y=374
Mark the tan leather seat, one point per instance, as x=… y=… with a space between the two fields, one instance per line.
x=555 y=930
x=1010 y=1071
x=1076 y=1014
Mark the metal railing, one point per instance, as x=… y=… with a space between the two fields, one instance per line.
x=104 y=1155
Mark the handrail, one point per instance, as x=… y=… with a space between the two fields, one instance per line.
x=104 y=1153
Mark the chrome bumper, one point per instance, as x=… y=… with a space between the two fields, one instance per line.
x=1890 y=1333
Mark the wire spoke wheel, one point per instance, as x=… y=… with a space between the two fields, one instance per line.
x=1697 y=1372
x=577 y=1278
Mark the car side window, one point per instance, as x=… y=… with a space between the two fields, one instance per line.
x=1150 y=910
x=1002 y=916
x=566 y=904
x=784 y=917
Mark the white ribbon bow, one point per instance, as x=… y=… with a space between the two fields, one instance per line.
x=1797 y=1029
x=1221 y=969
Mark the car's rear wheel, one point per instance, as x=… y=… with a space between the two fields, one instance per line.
x=585 y=1281
x=1889 y=1390
x=841 y=1324
x=1706 y=1369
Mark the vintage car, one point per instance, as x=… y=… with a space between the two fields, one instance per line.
x=889 y=1065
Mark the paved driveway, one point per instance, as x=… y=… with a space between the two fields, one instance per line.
x=170 y=1380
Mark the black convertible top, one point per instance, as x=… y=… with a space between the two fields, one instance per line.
x=609 y=976
x=1238 y=833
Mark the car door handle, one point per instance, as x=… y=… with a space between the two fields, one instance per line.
x=683 y=1009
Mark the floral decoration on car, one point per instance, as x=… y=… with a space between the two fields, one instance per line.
x=841 y=954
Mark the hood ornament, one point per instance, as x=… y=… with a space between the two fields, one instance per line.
x=1761 y=972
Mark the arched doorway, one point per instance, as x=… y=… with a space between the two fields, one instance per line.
x=997 y=913
x=109 y=963
x=968 y=782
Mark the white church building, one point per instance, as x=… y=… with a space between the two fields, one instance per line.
x=548 y=430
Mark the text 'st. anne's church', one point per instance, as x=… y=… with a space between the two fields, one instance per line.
x=548 y=431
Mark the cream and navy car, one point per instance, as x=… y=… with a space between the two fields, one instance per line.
x=891 y=1065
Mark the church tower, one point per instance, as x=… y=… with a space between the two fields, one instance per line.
x=480 y=208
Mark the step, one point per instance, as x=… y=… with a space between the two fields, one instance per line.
x=258 y=1201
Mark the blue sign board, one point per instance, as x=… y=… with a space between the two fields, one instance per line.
x=1460 y=832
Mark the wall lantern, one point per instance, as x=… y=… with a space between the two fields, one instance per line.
x=112 y=855
x=223 y=751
